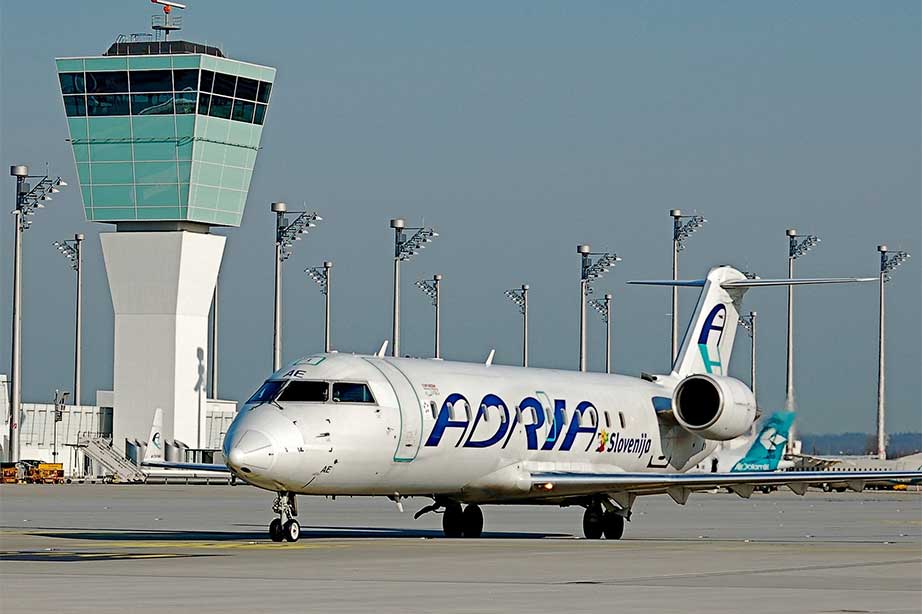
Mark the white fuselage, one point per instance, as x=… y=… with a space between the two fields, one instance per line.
x=466 y=430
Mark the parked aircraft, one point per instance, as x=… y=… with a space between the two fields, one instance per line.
x=467 y=434
x=910 y=462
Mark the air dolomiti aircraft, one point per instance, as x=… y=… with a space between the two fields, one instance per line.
x=468 y=434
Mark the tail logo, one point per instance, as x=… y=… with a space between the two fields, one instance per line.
x=709 y=339
x=771 y=439
x=156 y=440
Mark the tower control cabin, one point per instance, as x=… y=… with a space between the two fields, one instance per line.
x=165 y=136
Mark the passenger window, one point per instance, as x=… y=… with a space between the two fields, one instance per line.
x=351 y=393
x=621 y=417
x=607 y=420
x=305 y=392
x=267 y=391
x=435 y=411
x=593 y=418
x=486 y=413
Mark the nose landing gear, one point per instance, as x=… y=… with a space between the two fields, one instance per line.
x=285 y=527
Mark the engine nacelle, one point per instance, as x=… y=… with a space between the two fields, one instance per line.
x=714 y=406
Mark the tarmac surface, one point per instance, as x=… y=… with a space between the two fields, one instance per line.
x=108 y=548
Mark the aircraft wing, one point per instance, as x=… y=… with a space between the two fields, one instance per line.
x=680 y=485
x=217 y=467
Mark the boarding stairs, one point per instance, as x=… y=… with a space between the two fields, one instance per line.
x=100 y=450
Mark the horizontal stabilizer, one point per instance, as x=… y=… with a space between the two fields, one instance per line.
x=757 y=283
x=751 y=283
x=682 y=283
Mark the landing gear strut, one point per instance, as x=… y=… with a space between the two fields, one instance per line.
x=598 y=521
x=285 y=527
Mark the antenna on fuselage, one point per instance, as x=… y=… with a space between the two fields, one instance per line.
x=489 y=360
x=380 y=352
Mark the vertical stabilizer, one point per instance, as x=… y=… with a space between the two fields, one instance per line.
x=708 y=340
x=768 y=447
x=155 y=440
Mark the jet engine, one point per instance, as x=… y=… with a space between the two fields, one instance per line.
x=714 y=406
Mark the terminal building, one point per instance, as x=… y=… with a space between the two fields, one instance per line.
x=165 y=136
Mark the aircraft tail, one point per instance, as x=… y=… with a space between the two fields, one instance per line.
x=155 y=440
x=768 y=447
x=708 y=341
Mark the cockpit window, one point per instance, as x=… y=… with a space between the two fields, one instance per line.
x=267 y=391
x=305 y=391
x=344 y=392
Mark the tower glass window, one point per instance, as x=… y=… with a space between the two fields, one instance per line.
x=151 y=80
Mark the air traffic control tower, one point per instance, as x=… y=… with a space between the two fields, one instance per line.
x=165 y=136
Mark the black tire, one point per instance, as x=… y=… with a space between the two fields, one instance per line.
x=472 y=521
x=613 y=525
x=291 y=530
x=593 y=523
x=275 y=530
x=453 y=520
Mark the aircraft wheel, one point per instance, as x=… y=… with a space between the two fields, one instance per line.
x=472 y=521
x=292 y=530
x=593 y=522
x=613 y=525
x=453 y=520
x=275 y=530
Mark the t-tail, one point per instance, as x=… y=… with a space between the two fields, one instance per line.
x=154 y=451
x=768 y=447
x=708 y=341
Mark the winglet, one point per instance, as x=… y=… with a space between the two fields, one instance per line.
x=380 y=352
x=489 y=360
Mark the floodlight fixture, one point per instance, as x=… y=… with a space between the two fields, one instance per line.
x=798 y=245
x=593 y=265
x=28 y=198
x=433 y=289
x=519 y=297
x=888 y=262
x=683 y=226
x=286 y=233
x=322 y=276
x=406 y=246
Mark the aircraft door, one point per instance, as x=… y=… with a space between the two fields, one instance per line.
x=411 y=411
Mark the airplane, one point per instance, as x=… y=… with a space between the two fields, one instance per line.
x=764 y=453
x=859 y=463
x=466 y=435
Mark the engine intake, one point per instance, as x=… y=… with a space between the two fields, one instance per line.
x=714 y=406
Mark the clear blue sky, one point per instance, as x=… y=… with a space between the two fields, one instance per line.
x=520 y=129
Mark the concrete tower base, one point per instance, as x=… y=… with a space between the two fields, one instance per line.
x=162 y=284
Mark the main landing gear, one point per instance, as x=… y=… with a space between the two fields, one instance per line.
x=457 y=522
x=285 y=527
x=598 y=521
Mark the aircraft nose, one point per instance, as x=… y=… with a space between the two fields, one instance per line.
x=252 y=450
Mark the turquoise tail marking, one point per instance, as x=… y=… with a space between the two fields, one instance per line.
x=768 y=448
